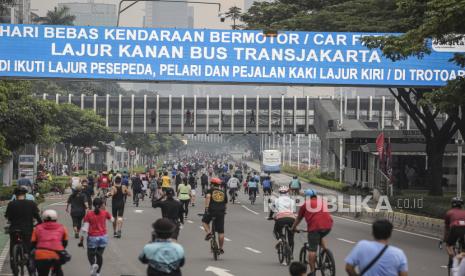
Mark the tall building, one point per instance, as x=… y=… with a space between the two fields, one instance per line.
x=168 y=15
x=18 y=13
x=91 y=13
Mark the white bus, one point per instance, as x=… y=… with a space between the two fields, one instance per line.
x=271 y=161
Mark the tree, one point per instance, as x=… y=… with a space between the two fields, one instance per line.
x=22 y=117
x=234 y=13
x=377 y=16
x=79 y=128
x=58 y=16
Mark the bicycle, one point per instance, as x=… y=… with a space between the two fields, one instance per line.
x=457 y=249
x=233 y=193
x=283 y=247
x=215 y=249
x=19 y=258
x=252 y=196
x=137 y=197
x=324 y=259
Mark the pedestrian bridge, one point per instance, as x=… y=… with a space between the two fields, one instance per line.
x=232 y=115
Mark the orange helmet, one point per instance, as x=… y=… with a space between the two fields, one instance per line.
x=216 y=181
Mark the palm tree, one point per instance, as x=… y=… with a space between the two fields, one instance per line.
x=234 y=13
x=59 y=16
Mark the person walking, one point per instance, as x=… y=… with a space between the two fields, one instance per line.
x=377 y=258
x=97 y=238
x=171 y=209
x=184 y=195
x=79 y=204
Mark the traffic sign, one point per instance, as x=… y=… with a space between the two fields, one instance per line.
x=132 y=152
x=87 y=150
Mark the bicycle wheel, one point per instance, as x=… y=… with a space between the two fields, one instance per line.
x=280 y=252
x=18 y=260
x=214 y=247
x=328 y=265
x=303 y=255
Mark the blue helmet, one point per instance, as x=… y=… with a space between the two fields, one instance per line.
x=310 y=193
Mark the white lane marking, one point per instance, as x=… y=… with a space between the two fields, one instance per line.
x=253 y=250
x=4 y=253
x=189 y=221
x=402 y=231
x=138 y=211
x=219 y=271
x=201 y=227
x=61 y=203
x=344 y=240
x=252 y=211
x=444 y=266
x=226 y=239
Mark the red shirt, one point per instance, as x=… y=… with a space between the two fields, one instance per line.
x=455 y=217
x=315 y=212
x=97 y=223
x=103 y=182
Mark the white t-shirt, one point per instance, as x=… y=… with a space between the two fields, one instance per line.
x=75 y=181
x=233 y=183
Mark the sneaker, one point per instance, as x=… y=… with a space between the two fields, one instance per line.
x=93 y=270
x=221 y=251
x=115 y=235
x=118 y=234
x=208 y=236
x=76 y=235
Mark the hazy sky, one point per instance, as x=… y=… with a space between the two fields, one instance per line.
x=206 y=16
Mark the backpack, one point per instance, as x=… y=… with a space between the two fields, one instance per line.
x=266 y=183
x=295 y=184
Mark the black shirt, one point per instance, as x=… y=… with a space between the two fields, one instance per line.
x=21 y=215
x=218 y=200
x=78 y=200
x=204 y=180
x=136 y=185
x=192 y=182
x=170 y=209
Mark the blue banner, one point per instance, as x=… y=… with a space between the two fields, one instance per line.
x=224 y=56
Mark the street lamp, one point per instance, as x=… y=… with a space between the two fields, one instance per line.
x=459 y=143
x=120 y=11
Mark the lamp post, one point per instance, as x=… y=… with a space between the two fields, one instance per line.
x=459 y=142
x=120 y=11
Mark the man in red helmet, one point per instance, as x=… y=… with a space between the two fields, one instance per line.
x=215 y=207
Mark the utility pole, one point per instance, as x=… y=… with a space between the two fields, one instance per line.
x=459 y=142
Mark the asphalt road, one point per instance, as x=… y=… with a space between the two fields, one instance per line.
x=249 y=249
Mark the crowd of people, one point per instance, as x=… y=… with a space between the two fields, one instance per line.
x=172 y=188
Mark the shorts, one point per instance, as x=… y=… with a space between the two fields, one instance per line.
x=314 y=239
x=219 y=221
x=77 y=220
x=117 y=211
x=97 y=242
x=456 y=233
x=165 y=188
x=193 y=192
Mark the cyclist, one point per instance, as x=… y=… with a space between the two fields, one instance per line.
x=165 y=182
x=178 y=180
x=97 y=238
x=252 y=186
x=21 y=214
x=204 y=182
x=48 y=239
x=233 y=186
x=170 y=209
x=118 y=193
x=184 y=195
x=163 y=256
x=153 y=186
x=103 y=183
x=79 y=204
x=215 y=207
x=136 y=185
x=454 y=225
x=295 y=185
x=192 y=181
x=267 y=186
x=26 y=182
x=75 y=181
x=319 y=224
x=283 y=211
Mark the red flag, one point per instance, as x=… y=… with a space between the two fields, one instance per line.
x=380 y=146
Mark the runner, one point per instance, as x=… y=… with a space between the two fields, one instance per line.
x=97 y=238
x=118 y=193
x=79 y=204
x=184 y=195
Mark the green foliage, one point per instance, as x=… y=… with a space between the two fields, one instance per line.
x=313 y=176
x=151 y=144
x=431 y=206
x=234 y=13
x=58 y=16
x=22 y=117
